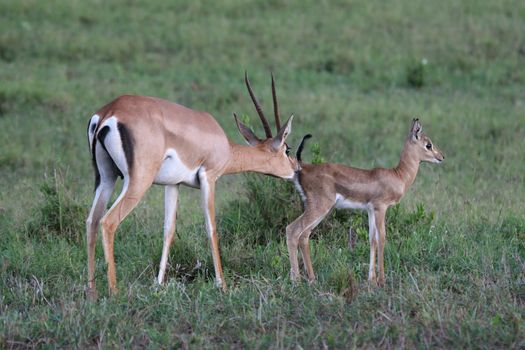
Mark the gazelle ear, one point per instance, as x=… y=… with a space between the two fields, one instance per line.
x=415 y=129
x=246 y=132
x=283 y=133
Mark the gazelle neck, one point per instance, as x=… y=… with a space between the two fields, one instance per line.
x=408 y=165
x=247 y=158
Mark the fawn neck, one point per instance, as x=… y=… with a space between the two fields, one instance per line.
x=408 y=165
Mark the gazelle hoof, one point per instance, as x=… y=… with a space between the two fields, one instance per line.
x=221 y=285
x=113 y=291
x=295 y=278
x=91 y=294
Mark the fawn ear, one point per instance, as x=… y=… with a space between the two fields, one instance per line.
x=415 y=129
x=246 y=132
x=283 y=133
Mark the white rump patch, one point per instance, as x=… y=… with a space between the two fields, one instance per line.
x=113 y=144
x=91 y=128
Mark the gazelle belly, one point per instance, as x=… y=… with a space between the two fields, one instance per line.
x=173 y=171
x=346 y=203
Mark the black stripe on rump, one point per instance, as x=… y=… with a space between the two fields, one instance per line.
x=101 y=136
x=94 y=163
x=127 y=144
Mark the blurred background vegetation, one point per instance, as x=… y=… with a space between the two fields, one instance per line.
x=354 y=73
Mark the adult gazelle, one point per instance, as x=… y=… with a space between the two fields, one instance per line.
x=147 y=140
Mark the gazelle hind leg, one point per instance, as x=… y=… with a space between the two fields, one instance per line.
x=107 y=175
x=304 y=224
x=118 y=143
x=304 y=246
x=132 y=192
x=171 y=194
x=102 y=196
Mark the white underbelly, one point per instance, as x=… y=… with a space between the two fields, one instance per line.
x=173 y=171
x=345 y=203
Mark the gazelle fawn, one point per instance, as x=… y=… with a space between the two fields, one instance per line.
x=326 y=186
x=147 y=140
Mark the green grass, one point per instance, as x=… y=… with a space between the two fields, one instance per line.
x=352 y=74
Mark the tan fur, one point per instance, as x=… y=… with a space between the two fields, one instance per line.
x=155 y=126
x=326 y=186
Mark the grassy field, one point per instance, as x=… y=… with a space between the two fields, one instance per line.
x=353 y=74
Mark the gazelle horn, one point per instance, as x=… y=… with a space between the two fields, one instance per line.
x=264 y=121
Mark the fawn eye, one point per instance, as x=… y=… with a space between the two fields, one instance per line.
x=429 y=146
x=287 y=149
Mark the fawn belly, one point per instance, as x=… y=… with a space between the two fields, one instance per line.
x=346 y=203
x=173 y=171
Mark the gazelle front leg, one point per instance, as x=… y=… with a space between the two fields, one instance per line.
x=208 y=205
x=293 y=231
x=373 y=238
x=304 y=245
x=381 y=240
x=171 y=195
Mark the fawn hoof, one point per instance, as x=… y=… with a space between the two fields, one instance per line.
x=113 y=291
x=295 y=276
x=381 y=282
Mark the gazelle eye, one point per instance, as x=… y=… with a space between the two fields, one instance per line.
x=287 y=149
x=429 y=146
